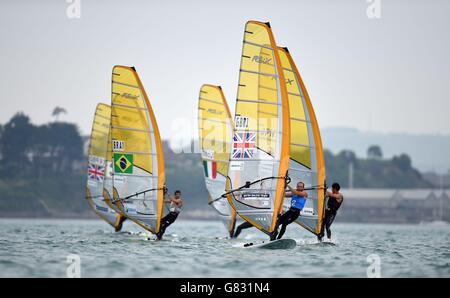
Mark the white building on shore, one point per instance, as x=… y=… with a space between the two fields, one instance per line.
x=395 y=205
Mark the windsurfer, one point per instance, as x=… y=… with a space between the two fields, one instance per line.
x=298 y=199
x=335 y=199
x=176 y=203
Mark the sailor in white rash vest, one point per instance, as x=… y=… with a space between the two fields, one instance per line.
x=176 y=203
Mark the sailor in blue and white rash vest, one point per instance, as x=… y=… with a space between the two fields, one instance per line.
x=298 y=199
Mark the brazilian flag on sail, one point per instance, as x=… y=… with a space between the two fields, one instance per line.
x=123 y=163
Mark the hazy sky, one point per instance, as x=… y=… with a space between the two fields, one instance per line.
x=387 y=75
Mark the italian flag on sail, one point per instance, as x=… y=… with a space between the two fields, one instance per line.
x=210 y=167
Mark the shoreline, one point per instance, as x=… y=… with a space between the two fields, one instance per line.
x=215 y=218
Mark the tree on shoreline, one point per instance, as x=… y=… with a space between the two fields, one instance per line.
x=58 y=111
x=34 y=151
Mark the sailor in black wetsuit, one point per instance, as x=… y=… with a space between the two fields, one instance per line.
x=335 y=199
x=242 y=226
x=176 y=203
x=119 y=225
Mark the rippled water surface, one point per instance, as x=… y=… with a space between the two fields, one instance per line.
x=39 y=248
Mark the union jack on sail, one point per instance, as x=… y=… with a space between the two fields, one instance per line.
x=244 y=144
x=96 y=172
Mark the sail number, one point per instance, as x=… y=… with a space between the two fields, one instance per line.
x=118 y=145
x=241 y=122
x=247 y=287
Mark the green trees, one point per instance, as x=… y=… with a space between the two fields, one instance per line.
x=373 y=172
x=40 y=173
x=16 y=140
x=28 y=150
x=58 y=111
x=374 y=152
x=403 y=162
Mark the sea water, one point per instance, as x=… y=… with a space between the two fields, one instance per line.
x=48 y=248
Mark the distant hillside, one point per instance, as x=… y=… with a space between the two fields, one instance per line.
x=428 y=152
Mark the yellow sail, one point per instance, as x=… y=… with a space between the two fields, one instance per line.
x=215 y=127
x=260 y=154
x=307 y=161
x=97 y=165
x=138 y=176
